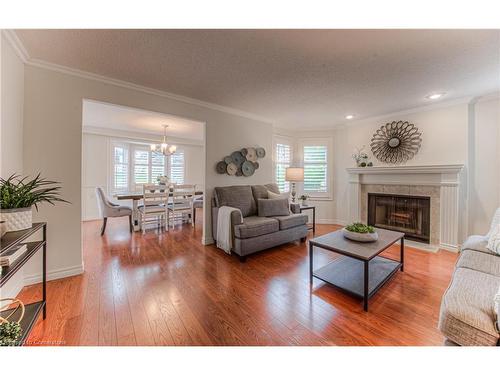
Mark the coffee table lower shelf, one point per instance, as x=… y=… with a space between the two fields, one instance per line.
x=348 y=274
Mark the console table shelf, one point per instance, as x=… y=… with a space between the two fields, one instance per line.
x=10 y=240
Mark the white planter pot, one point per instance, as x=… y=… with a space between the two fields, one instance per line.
x=17 y=218
x=360 y=237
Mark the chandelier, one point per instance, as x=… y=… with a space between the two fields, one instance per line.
x=164 y=148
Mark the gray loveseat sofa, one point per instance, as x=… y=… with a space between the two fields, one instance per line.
x=251 y=232
x=468 y=313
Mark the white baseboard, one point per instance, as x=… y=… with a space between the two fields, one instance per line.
x=452 y=248
x=54 y=275
x=207 y=241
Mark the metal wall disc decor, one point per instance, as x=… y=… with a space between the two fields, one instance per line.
x=260 y=152
x=221 y=167
x=396 y=142
x=231 y=169
x=238 y=158
x=251 y=154
x=247 y=168
x=242 y=162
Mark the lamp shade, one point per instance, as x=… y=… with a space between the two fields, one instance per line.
x=294 y=174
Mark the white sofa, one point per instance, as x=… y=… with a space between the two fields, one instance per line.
x=469 y=315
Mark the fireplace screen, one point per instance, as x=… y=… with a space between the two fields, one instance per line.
x=402 y=213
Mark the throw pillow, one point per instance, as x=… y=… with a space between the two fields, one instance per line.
x=494 y=241
x=272 y=195
x=273 y=207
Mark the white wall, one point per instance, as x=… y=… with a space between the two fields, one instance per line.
x=96 y=161
x=11 y=130
x=12 y=101
x=53 y=146
x=485 y=172
x=444 y=141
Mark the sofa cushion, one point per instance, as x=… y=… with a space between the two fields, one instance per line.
x=475 y=260
x=238 y=197
x=467 y=314
x=495 y=221
x=477 y=243
x=254 y=226
x=494 y=241
x=273 y=207
x=273 y=187
x=259 y=192
x=290 y=221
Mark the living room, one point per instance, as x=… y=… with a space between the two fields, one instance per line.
x=250 y=187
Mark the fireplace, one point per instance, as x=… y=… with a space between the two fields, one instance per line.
x=403 y=213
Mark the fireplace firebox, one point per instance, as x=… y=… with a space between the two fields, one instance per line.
x=403 y=213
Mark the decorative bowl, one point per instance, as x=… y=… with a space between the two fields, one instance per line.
x=360 y=237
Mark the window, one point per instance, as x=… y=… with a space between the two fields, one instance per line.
x=120 y=168
x=176 y=168
x=316 y=170
x=141 y=167
x=134 y=165
x=282 y=160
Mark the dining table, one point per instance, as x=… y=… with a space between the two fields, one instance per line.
x=135 y=197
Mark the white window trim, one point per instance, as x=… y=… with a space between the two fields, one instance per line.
x=324 y=141
x=131 y=146
x=283 y=140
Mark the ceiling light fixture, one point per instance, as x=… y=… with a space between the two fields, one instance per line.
x=164 y=148
x=435 y=96
x=349 y=117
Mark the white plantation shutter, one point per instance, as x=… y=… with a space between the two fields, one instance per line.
x=283 y=159
x=176 y=168
x=141 y=166
x=120 y=168
x=157 y=166
x=315 y=169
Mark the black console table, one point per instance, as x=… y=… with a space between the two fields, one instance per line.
x=9 y=240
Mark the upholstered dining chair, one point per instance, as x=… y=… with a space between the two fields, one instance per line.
x=109 y=209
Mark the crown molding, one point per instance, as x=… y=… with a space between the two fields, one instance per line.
x=23 y=54
x=132 y=86
x=16 y=44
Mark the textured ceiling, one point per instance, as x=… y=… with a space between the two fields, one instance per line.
x=111 y=116
x=296 y=78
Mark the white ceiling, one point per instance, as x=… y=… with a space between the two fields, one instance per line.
x=111 y=116
x=297 y=78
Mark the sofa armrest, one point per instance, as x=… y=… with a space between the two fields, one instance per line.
x=295 y=208
x=236 y=218
x=477 y=243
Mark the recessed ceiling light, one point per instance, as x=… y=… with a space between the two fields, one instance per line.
x=435 y=96
x=349 y=117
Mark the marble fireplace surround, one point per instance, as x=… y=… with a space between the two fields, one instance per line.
x=442 y=183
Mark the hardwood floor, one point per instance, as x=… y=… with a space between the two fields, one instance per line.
x=168 y=289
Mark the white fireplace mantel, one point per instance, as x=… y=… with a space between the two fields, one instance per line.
x=447 y=177
x=403 y=169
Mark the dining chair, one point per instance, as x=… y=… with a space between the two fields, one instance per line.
x=197 y=203
x=109 y=209
x=182 y=202
x=154 y=205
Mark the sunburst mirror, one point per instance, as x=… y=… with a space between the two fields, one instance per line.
x=396 y=142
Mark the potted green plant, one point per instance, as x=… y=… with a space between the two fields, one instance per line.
x=360 y=232
x=18 y=196
x=304 y=199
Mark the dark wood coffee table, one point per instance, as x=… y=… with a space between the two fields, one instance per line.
x=360 y=270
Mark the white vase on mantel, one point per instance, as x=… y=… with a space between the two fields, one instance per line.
x=17 y=218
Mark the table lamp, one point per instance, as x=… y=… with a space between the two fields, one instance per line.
x=293 y=175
